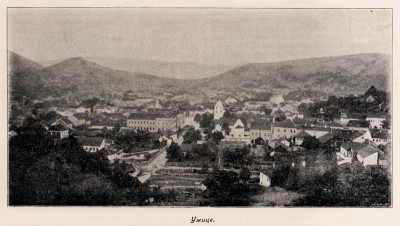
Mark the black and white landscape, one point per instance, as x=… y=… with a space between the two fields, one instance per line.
x=199 y=107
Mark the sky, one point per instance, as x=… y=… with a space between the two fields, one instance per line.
x=209 y=36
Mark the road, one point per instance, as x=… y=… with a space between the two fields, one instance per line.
x=157 y=163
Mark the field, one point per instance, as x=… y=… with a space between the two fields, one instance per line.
x=276 y=197
x=182 y=180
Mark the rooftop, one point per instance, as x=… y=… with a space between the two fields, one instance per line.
x=261 y=124
x=90 y=141
x=286 y=124
x=302 y=134
x=381 y=134
x=58 y=127
x=363 y=149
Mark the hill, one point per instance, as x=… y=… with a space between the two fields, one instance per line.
x=341 y=75
x=163 y=69
x=88 y=78
x=23 y=78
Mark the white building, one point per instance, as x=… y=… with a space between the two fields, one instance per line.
x=218 y=110
x=265 y=179
x=260 y=129
x=237 y=134
x=58 y=131
x=376 y=122
x=366 y=153
x=379 y=137
x=285 y=128
x=92 y=144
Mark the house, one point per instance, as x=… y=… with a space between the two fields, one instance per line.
x=298 y=138
x=155 y=121
x=366 y=153
x=376 y=122
x=352 y=135
x=105 y=109
x=230 y=100
x=91 y=144
x=265 y=177
x=260 y=129
x=218 y=110
x=74 y=120
x=83 y=118
x=280 y=147
x=345 y=117
x=237 y=135
x=316 y=131
x=58 y=131
x=293 y=116
x=101 y=123
x=63 y=121
x=379 y=137
x=285 y=128
x=326 y=138
x=370 y=99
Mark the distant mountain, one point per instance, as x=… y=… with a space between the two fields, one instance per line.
x=351 y=74
x=89 y=78
x=19 y=63
x=175 y=70
x=341 y=75
x=23 y=78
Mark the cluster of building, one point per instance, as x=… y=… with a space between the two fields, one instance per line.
x=286 y=135
x=289 y=134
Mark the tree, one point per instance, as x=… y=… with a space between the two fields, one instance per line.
x=225 y=127
x=191 y=136
x=216 y=137
x=311 y=143
x=237 y=157
x=302 y=108
x=90 y=103
x=227 y=113
x=225 y=188
x=174 y=152
x=386 y=124
x=207 y=121
x=363 y=122
x=266 y=110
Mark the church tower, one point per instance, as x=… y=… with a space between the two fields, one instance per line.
x=218 y=110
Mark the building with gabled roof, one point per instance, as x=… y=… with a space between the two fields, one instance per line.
x=298 y=138
x=91 y=144
x=379 y=136
x=237 y=135
x=58 y=131
x=366 y=153
x=260 y=129
x=326 y=138
x=285 y=128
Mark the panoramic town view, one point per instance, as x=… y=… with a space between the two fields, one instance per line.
x=199 y=107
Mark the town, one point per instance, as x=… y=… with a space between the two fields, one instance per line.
x=266 y=150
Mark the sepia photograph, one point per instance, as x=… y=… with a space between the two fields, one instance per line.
x=200 y=107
